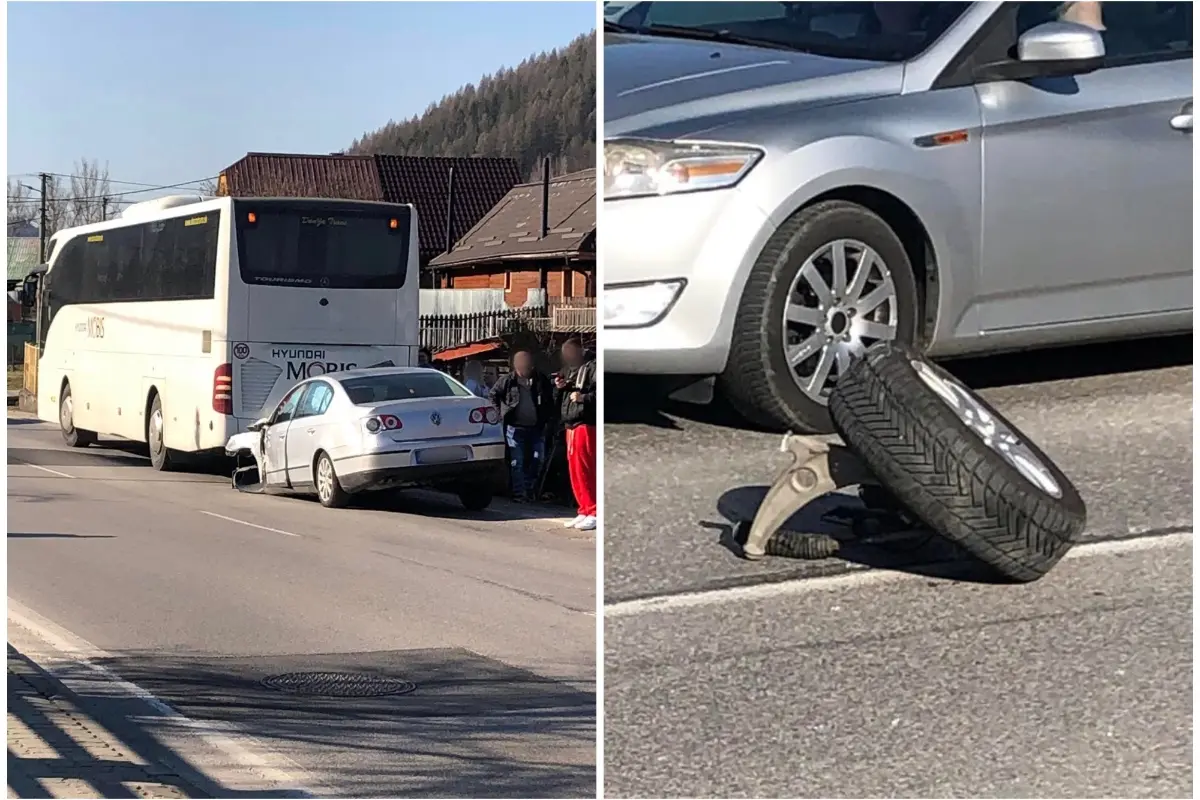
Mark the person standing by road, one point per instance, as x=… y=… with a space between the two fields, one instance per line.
x=473 y=378
x=576 y=386
x=525 y=400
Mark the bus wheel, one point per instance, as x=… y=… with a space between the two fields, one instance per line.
x=160 y=458
x=74 y=437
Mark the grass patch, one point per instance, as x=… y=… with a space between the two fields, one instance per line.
x=15 y=379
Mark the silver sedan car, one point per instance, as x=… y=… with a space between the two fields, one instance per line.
x=787 y=183
x=371 y=429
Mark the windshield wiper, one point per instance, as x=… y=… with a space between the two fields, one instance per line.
x=708 y=35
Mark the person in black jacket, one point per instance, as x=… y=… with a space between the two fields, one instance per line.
x=576 y=386
x=525 y=399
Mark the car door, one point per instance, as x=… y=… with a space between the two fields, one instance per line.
x=303 y=433
x=275 y=437
x=1087 y=179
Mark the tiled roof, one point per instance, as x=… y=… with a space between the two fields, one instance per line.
x=285 y=175
x=513 y=228
x=479 y=183
x=24 y=254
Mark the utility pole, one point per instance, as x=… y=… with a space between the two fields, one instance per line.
x=42 y=226
x=104 y=209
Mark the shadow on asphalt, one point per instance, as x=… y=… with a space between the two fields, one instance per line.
x=642 y=401
x=107 y=778
x=420 y=502
x=472 y=727
x=22 y=421
x=921 y=552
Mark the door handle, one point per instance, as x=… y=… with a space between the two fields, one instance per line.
x=311 y=431
x=1183 y=120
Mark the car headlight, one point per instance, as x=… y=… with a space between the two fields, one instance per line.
x=639 y=305
x=640 y=167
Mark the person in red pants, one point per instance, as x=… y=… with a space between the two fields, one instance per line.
x=576 y=385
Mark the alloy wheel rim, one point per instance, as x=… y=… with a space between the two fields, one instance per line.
x=994 y=433
x=324 y=479
x=842 y=300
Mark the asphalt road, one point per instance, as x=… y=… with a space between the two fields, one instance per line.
x=738 y=679
x=196 y=592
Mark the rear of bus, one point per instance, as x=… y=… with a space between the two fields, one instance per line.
x=315 y=286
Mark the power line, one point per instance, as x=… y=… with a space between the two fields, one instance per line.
x=110 y=195
x=110 y=180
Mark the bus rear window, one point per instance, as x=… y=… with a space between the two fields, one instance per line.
x=390 y=387
x=334 y=246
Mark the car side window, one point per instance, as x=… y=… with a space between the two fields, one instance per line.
x=316 y=400
x=287 y=407
x=1133 y=33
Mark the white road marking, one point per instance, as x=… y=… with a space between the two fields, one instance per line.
x=250 y=524
x=69 y=653
x=859 y=578
x=20 y=463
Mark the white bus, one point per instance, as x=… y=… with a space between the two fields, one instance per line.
x=187 y=318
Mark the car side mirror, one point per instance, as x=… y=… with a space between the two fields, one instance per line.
x=259 y=424
x=1052 y=49
x=1060 y=41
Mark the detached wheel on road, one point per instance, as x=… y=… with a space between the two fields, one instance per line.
x=329 y=488
x=475 y=498
x=74 y=437
x=956 y=463
x=833 y=280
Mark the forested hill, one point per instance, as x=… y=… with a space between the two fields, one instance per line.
x=544 y=107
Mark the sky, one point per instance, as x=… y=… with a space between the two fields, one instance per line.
x=173 y=92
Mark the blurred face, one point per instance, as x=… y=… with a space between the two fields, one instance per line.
x=422 y=359
x=572 y=354
x=523 y=364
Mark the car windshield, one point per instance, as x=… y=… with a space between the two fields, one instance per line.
x=872 y=31
x=374 y=389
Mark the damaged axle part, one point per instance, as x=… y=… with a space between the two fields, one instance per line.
x=817 y=469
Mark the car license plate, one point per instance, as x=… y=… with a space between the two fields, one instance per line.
x=442 y=455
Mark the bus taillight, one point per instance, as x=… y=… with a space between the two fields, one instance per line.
x=223 y=389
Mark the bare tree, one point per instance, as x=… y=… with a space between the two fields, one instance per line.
x=88 y=189
x=22 y=205
x=208 y=188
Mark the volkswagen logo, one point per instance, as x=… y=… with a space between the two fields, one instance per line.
x=435 y=418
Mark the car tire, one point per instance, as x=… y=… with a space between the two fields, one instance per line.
x=475 y=498
x=161 y=458
x=1019 y=514
x=758 y=380
x=329 y=489
x=74 y=437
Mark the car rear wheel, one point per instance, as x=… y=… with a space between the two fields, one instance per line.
x=832 y=281
x=475 y=498
x=74 y=437
x=329 y=488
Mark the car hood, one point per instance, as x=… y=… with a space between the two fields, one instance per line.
x=676 y=88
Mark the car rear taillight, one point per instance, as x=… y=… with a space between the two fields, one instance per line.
x=487 y=414
x=223 y=389
x=384 y=422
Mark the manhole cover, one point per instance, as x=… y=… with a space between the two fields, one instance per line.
x=337 y=684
